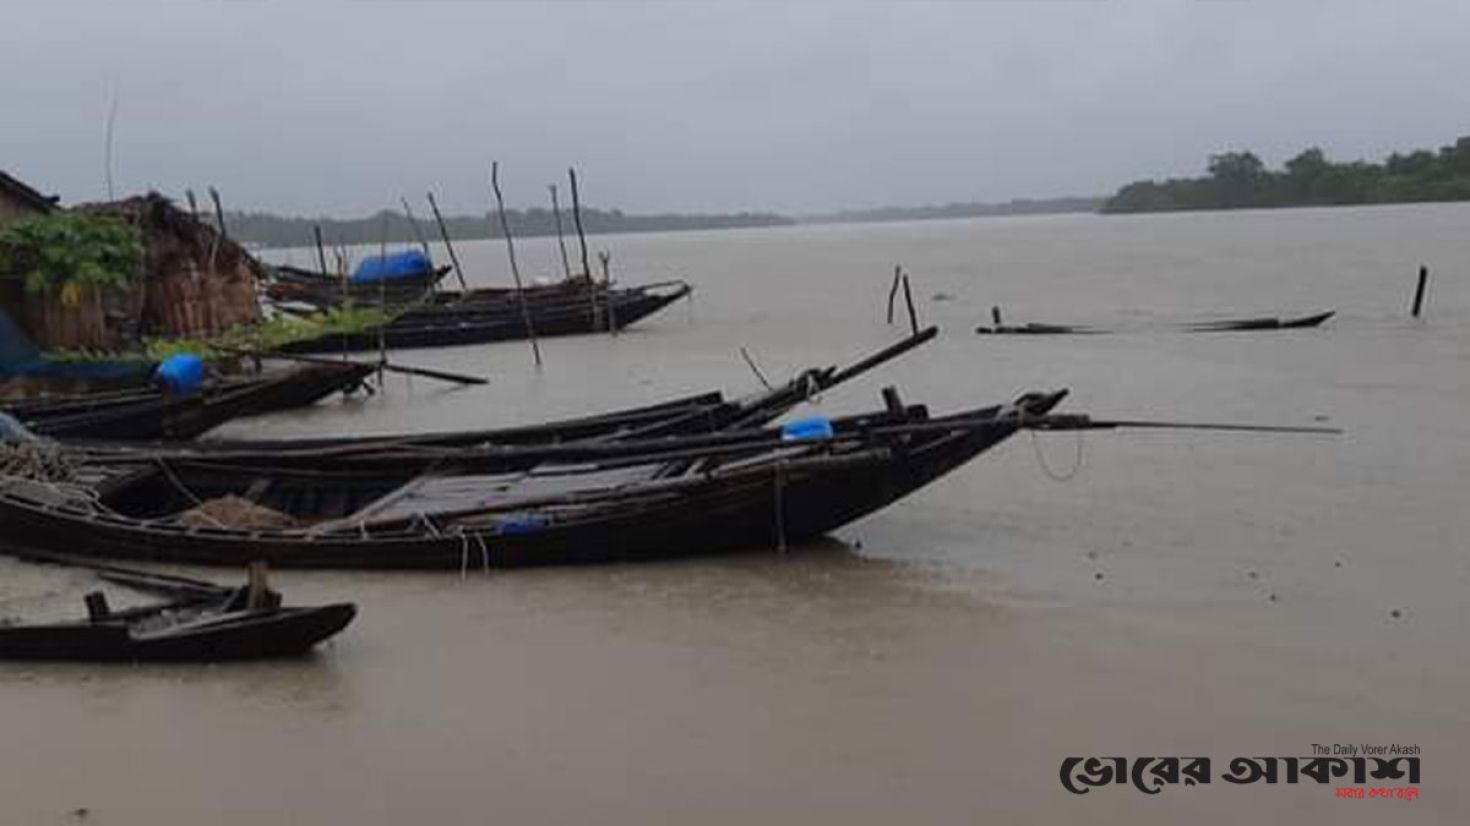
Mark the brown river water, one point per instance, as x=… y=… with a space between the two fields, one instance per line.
x=1184 y=593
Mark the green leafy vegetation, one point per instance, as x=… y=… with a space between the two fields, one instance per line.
x=255 y=338
x=269 y=335
x=1240 y=179
x=70 y=250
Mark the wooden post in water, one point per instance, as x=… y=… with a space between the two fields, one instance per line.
x=893 y=290
x=995 y=316
x=612 y=315
x=444 y=233
x=1419 y=291
x=515 y=270
x=321 y=250
x=908 y=298
x=577 y=219
x=561 y=241
x=256 y=586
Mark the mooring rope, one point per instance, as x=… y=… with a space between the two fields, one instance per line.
x=780 y=505
x=1047 y=469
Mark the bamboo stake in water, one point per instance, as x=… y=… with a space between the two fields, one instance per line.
x=444 y=233
x=577 y=219
x=321 y=251
x=612 y=317
x=515 y=270
x=561 y=241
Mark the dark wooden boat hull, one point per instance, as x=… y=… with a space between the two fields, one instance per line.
x=278 y=632
x=1268 y=323
x=1222 y=326
x=418 y=329
x=324 y=290
x=759 y=506
x=152 y=415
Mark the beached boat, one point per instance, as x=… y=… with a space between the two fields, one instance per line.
x=153 y=414
x=622 y=502
x=199 y=622
x=554 y=312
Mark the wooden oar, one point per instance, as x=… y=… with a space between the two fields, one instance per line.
x=1079 y=421
x=456 y=378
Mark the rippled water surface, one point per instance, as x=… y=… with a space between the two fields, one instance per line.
x=1184 y=593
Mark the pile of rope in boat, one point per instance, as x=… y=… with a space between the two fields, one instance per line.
x=37 y=461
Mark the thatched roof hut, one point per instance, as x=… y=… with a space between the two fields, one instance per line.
x=194 y=279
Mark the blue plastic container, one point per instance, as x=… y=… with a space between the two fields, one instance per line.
x=817 y=427
x=182 y=374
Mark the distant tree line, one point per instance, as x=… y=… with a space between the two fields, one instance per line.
x=1240 y=179
x=276 y=231
x=1017 y=206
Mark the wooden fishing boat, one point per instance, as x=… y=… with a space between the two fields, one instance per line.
x=321 y=290
x=454 y=324
x=621 y=503
x=691 y=415
x=153 y=414
x=200 y=622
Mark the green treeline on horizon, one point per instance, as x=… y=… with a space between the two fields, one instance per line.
x=270 y=230
x=395 y=228
x=1239 y=180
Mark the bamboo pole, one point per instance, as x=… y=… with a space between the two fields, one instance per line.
x=1419 y=291
x=444 y=233
x=561 y=240
x=413 y=224
x=382 y=299
x=908 y=299
x=321 y=250
x=893 y=290
x=219 y=217
x=515 y=270
x=577 y=219
x=612 y=313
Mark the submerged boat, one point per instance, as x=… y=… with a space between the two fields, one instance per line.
x=199 y=622
x=1264 y=323
x=1222 y=325
x=584 y=504
x=151 y=413
x=486 y=316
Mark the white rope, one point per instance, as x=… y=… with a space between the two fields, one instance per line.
x=484 y=552
x=780 y=506
x=1047 y=469
x=464 y=556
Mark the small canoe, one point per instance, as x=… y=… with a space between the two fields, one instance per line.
x=201 y=622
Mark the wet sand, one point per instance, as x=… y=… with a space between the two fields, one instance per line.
x=937 y=660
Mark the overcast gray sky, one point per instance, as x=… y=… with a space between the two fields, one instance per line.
x=340 y=107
